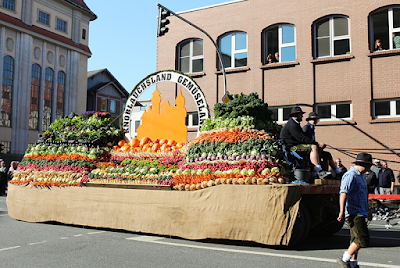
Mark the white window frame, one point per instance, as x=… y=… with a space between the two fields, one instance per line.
x=65 y=25
x=392 y=106
x=7 y=4
x=49 y=17
x=391 y=29
x=191 y=57
x=280 y=114
x=190 y=119
x=233 y=49
x=333 y=111
x=280 y=44
x=331 y=37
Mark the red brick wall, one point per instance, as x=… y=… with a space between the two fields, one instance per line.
x=359 y=77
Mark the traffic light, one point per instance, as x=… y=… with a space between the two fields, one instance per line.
x=162 y=21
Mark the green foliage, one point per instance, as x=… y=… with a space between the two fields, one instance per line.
x=91 y=127
x=243 y=105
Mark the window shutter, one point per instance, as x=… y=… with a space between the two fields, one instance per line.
x=118 y=107
x=98 y=104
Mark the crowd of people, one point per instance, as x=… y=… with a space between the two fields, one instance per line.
x=6 y=175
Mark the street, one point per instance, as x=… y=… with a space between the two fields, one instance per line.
x=26 y=244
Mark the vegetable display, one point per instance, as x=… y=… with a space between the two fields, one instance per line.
x=66 y=153
x=238 y=146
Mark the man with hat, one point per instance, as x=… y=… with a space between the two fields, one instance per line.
x=353 y=202
x=326 y=157
x=292 y=134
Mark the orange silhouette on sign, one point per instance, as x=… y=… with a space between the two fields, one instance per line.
x=165 y=123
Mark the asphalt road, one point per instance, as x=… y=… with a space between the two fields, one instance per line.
x=24 y=244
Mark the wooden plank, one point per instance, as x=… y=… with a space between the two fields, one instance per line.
x=128 y=186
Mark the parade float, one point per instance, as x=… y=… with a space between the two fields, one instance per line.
x=230 y=182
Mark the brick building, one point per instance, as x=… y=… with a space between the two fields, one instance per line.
x=44 y=51
x=327 y=62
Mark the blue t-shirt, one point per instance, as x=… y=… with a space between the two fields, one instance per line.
x=355 y=186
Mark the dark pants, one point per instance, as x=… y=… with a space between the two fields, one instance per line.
x=3 y=186
x=358 y=230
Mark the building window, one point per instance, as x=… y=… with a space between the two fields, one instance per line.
x=387 y=108
x=143 y=108
x=34 y=103
x=113 y=106
x=137 y=124
x=234 y=50
x=280 y=114
x=334 y=111
x=60 y=94
x=44 y=18
x=5 y=147
x=280 y=44
x=48 y=96
x=191 y=56
x=332 y=37
x=61 y=25
x=385 y=27
x=83 y=34
x=6 y=91
x=9 y=4
x=192 y=119
x=103 y=105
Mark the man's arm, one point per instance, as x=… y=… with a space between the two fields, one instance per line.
x=392 y=181
x=342 y=204
x=299 y=135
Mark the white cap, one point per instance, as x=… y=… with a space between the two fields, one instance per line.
x=377 y=160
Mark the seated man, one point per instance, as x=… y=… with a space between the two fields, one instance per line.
x=326 y=157
x=292 y=135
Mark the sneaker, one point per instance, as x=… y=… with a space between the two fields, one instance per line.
x=343 y=264
x=324 y=175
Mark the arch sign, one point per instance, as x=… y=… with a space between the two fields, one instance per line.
x=164 y=76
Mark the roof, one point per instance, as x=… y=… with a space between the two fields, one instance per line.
x=82 y=5
x=100 y=85
x=91 y=73
x=54 y=36
x=211 y=6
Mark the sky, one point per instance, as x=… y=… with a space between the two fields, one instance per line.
x=123 y=38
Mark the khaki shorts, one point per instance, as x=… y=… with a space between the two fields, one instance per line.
x=358 y=230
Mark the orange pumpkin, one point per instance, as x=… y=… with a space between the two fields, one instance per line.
x=145 y=147
x=115 y=148
x=134 y=142
x=179 y=145
x=125 y=148
x=171 y=142
x=164 y=147
x=162 y=141
x=121 y=143
x=144 y=140
x=155 y=147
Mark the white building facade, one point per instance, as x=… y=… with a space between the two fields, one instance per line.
x=43 y=67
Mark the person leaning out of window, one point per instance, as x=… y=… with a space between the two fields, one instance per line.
x=378 y=45
x=396 y=41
